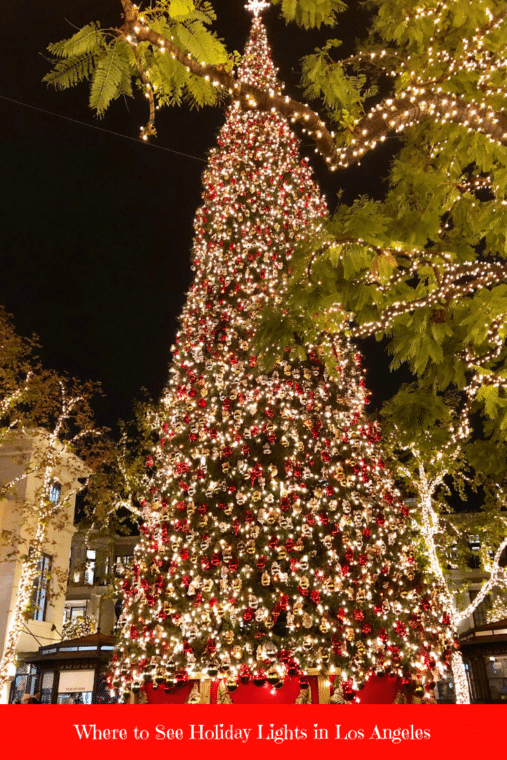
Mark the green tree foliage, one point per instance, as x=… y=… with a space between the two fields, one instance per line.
x=114 y=63
x=311 y=14
x=424 y=268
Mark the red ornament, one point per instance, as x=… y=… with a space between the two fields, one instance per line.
x=400 y=628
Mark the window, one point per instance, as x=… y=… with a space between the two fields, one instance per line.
x=480 y=614
x=91 y=558
x=126 y=559
x=496 y=670
x=74 y=611
x=25 y=682
x=474 y=561
x=54 y=492
x=40 y=591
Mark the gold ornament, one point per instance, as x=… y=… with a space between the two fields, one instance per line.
x=324 y=625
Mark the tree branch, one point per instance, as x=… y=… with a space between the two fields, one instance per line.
x=494 y=580
x=389 y=116
x=486 y=274
x=395 y=115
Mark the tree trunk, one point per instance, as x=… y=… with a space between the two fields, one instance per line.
x=460 y=679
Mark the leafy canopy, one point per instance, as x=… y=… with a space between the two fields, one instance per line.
x=424 y=268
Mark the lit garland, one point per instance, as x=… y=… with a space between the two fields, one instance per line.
x=274 y=540
x=498 y=610
x=422 y=97
x=456 y=280
x=82 y=626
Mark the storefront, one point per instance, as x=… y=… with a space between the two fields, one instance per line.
x=485 y=654
x=69 y=672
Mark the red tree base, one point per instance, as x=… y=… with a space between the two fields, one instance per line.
x=377 y=691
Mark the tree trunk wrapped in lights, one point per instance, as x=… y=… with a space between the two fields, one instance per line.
x=274 y=540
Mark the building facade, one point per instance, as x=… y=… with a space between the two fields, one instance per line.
x=20 y=463
x=95 y=561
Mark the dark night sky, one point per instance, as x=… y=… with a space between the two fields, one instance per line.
x=96 y=228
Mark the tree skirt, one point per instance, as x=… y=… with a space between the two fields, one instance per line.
x=379 y=691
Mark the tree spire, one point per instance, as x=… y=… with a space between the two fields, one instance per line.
x=256 y=68
x=256 y=7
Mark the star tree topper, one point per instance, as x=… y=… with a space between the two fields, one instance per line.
x=256 y=7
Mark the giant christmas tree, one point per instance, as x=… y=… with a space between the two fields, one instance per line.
x=275 y=543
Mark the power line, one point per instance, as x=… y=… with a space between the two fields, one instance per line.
x=100 y=129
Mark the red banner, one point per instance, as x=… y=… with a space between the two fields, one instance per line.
x=60 y=732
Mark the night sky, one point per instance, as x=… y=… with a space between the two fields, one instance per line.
x=97 y=227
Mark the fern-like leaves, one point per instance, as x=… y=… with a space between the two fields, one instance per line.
x=71 y=71
x=111 y=77
x=89 y=39
x=201 y=44
x=76 y=57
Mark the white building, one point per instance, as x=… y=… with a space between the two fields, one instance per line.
x=21 y=459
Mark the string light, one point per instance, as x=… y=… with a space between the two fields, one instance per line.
x=46 y=452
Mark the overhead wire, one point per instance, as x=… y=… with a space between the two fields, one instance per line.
x=101 y=129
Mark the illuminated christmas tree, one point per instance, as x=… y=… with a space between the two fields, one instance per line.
x=275 y=543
